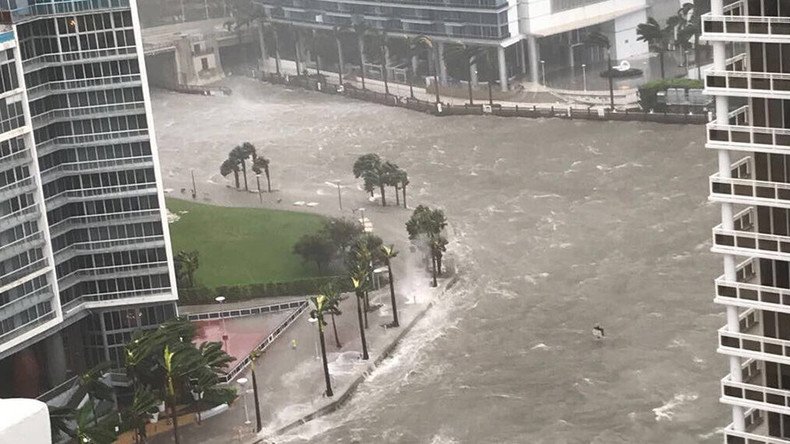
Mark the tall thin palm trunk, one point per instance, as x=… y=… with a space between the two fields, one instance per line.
x=433 y=266
x=490 y=94
x=384 y=53
x=661 y=62
x=366 y=307
x=297 y=56
x=174 y=417
x=334 y=327
x=383 y=197
x=268 y=180
x=404 y=195
x=361 y=46
x=471 y=99
x=435 y=83
x=258 y=424
x=276 y=52
x=236 y=177
x=392 y=295
x=244 y=170
x=361 y=329
x=397 y=196
x=611 y=80
x=323 y=358
x=339 y=60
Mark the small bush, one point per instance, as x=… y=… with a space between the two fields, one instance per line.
x=219 y=396
x=648 y=91
x=237 y=293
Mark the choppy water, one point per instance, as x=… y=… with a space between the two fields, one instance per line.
x=557 y=225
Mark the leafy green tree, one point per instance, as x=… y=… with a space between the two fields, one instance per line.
x=427 y=225
x=92 y=432
x=370 y=168
x=390 y=176
x=599 y=40
x=342 y=232
x=689 y=27
x=186 y=264
x=656 y=37
x=136 y=416
x=315 y=248
x=230 y=165
x=240 y=154
x=390 y=253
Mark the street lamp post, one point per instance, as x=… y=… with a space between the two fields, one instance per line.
x=584 y=76
x=260 y=196
x=543 y=71
x=220 y=300
x=339 y=196
x=194 y=187
x=312 y=321
x=242 y=383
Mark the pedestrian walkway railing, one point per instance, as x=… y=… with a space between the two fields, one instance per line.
x=232 y=373
x=247 y=311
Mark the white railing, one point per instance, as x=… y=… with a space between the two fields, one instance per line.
x=30 y=209
x=749 y=295
x=15 y=155
x=74 y=304
x=751 y=438
x=100 y=191
x=756 y=396
x=20 y=241
x=70 y=7
x=750 y=81
x=55 y=229
x=28 y=325
x=22 y=271
x=751 y=241
x=734 y=22
x=44 y=146
x=73 y=56
x=70 y=113
x=63 y=85
x=27 y=181
x=102 y=271
x=97 y=164
x=754 y=346
x=111 y=243
x=753 y=191
x=27 y=296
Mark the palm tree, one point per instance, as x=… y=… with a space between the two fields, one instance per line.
x=333 y=300
x=96 y=389
x=230 y=165
x=599 y=40
x=425 y=43
x=254 y=355
x=390 y=176
x=321 y=308
x=370 y=168
x=690 y=27
x=136 y=416
x=178 y=363
x=428 y=224
x=336 y=31
x=241 y=153
x=380 y=40
x=404 y=180
x=472 y=56
x=360 y=29
x=187 y=263
x=656 y=37
x=96 y=433
x=359 y=278
x=389 y=253
x=261 y=164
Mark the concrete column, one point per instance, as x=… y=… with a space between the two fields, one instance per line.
x=522 y=62
x=262 y=44
x=56 y=359
x=571 y=61
x=339 y=53
x=534 y=58
x=502 y=68
x=415 y=63
x=473 y=74
x=361 y=45
x=442 y=66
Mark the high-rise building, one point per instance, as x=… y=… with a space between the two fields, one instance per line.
x=750 y=80
x=530 y=36
x=84 y=245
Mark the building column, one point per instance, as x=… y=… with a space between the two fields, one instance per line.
x=502 y=68
x=339 y=53
x=473 y=74
x=442 y=66
x=262 y=45
x=415 y=63
x=534 y=58
x=571 y=61
x=56 y=359
x=522 y=62
x=361 y=45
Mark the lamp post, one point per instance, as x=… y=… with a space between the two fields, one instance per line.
x=543 y=71
x=584 y=76
x=339 y=196
x=258 y=179
x=220 y=300
x=194 y=187
x=242 y=382
x=312 y=321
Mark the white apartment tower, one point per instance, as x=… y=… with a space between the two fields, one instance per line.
x=84 y=245
x=750 y=81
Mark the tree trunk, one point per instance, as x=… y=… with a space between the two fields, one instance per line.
x=93 y=409
x=383 y=197
x=339 y=60
x=244 y=171
x=268 y=180
x=261 y=42
x=611 y=82
x=326 y=364
x=433 y=268
x=258 y=424
x=392 y=296
x=404 y=196
x=661 y=62
x=276 y=52
x=490 y=94
x=361 y=45
x=696 y=56
x=438 y=263
x=174 y=417
x=411 y=84
x=236 y=176
x=471 y=99
x=361 y=329
x=397 y=196
x=334 y=327
x=384 y=52
x=366 y=308
x=297 y=46
x=435 y=76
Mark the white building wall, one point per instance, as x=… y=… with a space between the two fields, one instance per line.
x=625 y=38
x=541 y=21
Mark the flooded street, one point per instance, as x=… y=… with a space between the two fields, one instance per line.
x=555 y=226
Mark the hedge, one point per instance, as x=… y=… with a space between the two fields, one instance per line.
x=648 y=91
x=238 y=293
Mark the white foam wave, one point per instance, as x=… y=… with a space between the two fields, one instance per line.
x=667 y=411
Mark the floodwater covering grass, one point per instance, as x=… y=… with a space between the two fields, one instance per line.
x=242 y=245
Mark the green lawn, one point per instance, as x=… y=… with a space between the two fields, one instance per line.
x=242 y=245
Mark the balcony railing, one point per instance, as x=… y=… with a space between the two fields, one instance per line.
x=10 y=159
x=13 y=188
x=738 y=134
x=753 y=346
x=19 y=216
x=60 y=8
x=733 y=25
x=749 y=243
x=755 y=396
x=118 y=270
x=70 y=85
x=22 y=271
x=111 y=244
x=86 y=111
x=13 y=248
x=48 y=146
x=749 y=192
x=34 y=295
x=44 y=60
x=72 y=306
x=748 y=83
x=103 y=219
x=103 y=165
x=27 y=326
x=104 y=192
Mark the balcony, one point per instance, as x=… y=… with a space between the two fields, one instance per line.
x=16 y=188
x=21 y=272
x=741 y=189
x=49 y=146
x=65 y=169
x=88 y=112
x=26 y=214
x=739 y=135
x=94 y=55
x=118 y=271
x=111 y=245
x=16 y=159
x=734 y=26
x=21 y=245
x=108 y=192
x=48 y=88
x=749 y=343
x=31 y=299
x=96 y=220
x=756 y=431
x=752 y=395
x=60 y=8
x=743 y=241
x=739 y=83
x=118 y=297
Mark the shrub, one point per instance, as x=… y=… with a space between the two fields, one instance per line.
x=648 y=91
x=237 y=293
